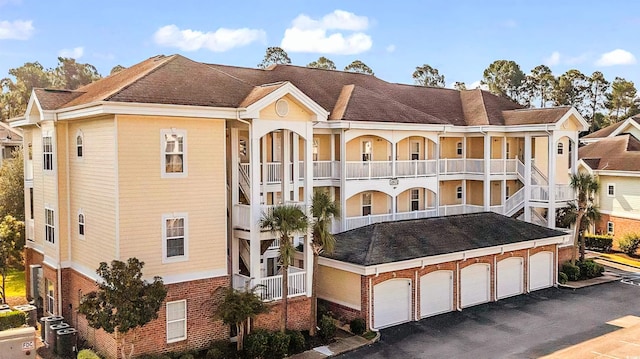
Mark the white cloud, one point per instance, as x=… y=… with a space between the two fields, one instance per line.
x=16 y=30
x=219 y=41
x=320 y=36
x=391 y=48
x=477 y=85
x=616 y=57
x=74 y=53
x=552 y=60
x=556 y=58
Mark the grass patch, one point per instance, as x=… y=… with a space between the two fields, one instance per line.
x=15 y=285
x=621 y=258
x=369 y=335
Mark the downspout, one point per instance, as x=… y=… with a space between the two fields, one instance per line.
x=495 y=277
x=59 y=263
x=371 y=328
x=528 y=270
x=415 y=297
x=458 y=286
x=555 y=269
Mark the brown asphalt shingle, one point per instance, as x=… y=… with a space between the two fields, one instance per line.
x=389 y=242
x=346 y=96
x=619 y=153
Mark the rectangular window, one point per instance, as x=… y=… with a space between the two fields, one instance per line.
x=47 y=153
x=316 y=147
x=459 y=192
x=50 y=301
x=366 y=150
x=415 y=200
x=459 y=148
x=79 y=146
x=81 y=224
x=415 y=150
x=366 y=203
x=174 y=148
x=49 y=226
x=176 y=321
x=611 y=190
x=610 y=227
x=175 y=237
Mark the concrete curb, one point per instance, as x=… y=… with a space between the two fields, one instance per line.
x=616 y=262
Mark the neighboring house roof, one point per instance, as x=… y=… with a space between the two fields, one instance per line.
x=619 y=153
x=389 y=242
x=611 y=129
x=349 y=96
x=9 y=134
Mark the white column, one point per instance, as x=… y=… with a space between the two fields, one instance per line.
x=235 y=250
x=393 y=160
x=285 y=172
x=574 y=153
x=343 y=182
x=295 y=146
x=332 y=141
x=487 y=172
x=308 y=197
x=437 y=189
x=551 y=213
x=256 y=209
x=527 y=177
x=263 y=160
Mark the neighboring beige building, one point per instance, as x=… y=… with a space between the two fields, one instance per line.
x=10 y=141
x=174 y=162
x=613 y=156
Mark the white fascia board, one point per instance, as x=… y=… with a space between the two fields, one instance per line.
x=583 y=164
x=144 y=109
x=574 y=112
x=628 y=122
x=253 y=110
x=188 y=277
x=438 y=259
x=618 y=173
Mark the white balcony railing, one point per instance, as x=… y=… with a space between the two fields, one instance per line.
x=430 y=212
x=503 y=166
x=324 y=169
x=416 y=168
x=497 y=209
x=564 y=192
x=539 y=193
x=357 y=222
x=242 y=216
x=461 y=165
x=270 y=288
x=369 y=169
x=513 y=202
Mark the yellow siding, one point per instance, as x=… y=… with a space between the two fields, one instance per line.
x=513 y=186
x=571 y=124
x=403 y=151
x=627 y=195
x=475 y=147
x=496 y=147
x=48 y=196
x=93 y=179
x=297 y=112
x=145 y=196
x=339 y=285
x=541 y=153
x=63 y=193
x=515 y=147
x=562 y=162
x=496 y=193
x=475 y=193
x=324 y=147
x=38 y=183
x=380 y=204
x=448 y=192
x=403 y=203
x=448 y=147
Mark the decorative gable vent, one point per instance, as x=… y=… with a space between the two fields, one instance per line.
x=282 y=107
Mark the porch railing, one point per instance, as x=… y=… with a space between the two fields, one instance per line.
x=564 y=192
x=461 y=165
x=357 y=222
x=270 y=288
x=514 y=202
x=416 y=168
x=326 y=169
x=539 y=193
x=503 y=166
x=369 y=169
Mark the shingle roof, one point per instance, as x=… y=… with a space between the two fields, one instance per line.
x=389 y=242
x=619 y=153
x=346 y=96
x=607 y=131
x=10 y=134
x=51 y=99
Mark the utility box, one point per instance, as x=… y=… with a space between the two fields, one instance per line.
x=18 y=343
x=66 y=344
x=52 y=335
x=49 y=334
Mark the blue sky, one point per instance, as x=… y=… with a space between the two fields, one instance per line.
x=460 y=38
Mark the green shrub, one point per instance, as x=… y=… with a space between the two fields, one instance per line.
x=630 y=243
x=215 y=353
x=278 y=345
x=87 y=354
x=327 y=328
x=13 y=319
x=572 y=271
x=562 y=278
x=221 y=349
x=256 y=344
x=601 y=243
x=187 y=356
x=297 y=343
x=590 y=269
x=357 y=326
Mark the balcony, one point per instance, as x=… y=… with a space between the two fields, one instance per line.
x=450 y=166
x=563 y=193
x=361 y=221
x=242 y=214
x=270 y=288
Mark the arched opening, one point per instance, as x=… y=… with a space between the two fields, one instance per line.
x=369 y=157
x=366 y=208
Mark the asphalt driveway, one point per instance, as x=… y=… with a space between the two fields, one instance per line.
x=526 y=326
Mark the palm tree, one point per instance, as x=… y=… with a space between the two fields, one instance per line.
x=586 y=187
x=284 y=221
x=323 y=210
x=567 y=216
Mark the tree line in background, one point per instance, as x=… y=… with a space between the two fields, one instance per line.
x=600 y=101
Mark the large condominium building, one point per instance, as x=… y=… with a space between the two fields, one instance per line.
x=174 y=162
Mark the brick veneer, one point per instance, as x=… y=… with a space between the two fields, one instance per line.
x=298 y=316
x=30 y=257
x=621 y=227
x=417 y=272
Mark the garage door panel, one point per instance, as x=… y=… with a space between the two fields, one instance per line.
x=541 y=270
x=436 y=293
x=475 y=284
x=510 y=277
x=392 y=302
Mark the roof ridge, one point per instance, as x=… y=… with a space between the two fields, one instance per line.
x=484 y=107
x=213 y=67
x=165 y=60
x=369 y=253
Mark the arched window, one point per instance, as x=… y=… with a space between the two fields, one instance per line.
x=79 y=144
x=560 y=148
x=81 y=224
x=459 y=192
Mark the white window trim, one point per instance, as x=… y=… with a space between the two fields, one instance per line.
x=52 y=226
x=412 y=200
x=459 y=149
x=184 y=337
x=316 y=149
x=362 y=204
x=48 y=170
x=84 y=224
x=411 y=153
x=362 y=149
x=163 y=158
x=613 y=185
x=181 y=258
x=560 y=148
x=50 y=298
x=612 y=226
x=81 y=135
x=461 y=191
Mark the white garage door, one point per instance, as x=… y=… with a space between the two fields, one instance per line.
x=391 y=302
x=510 y=277
x=475 y=284
x=541 y=270
x=436 y=293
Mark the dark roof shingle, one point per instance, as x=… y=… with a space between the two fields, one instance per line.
x=389 y=242
x=619 y=153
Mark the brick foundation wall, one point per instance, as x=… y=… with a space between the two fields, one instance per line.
x=341 y=312
x=202 y=327
x=298 y=318
x=30 y=257
x=621 y=227
x=564 y=255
